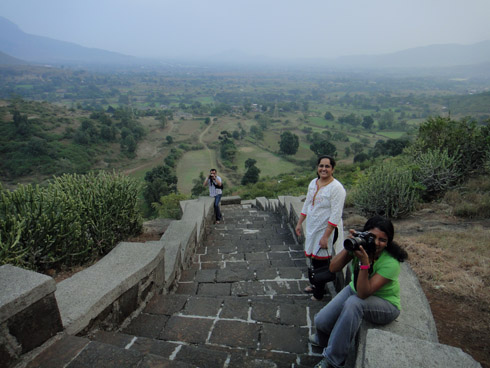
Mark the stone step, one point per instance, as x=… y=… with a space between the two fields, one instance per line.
x=80 y=352
x=213 y=355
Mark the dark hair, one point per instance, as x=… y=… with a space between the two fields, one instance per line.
x=386 y=226
x=212 y=170
x=332 y=160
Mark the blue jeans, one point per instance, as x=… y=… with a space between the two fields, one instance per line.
x=337 y=323
x=217 y=211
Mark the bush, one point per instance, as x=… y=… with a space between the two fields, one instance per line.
x=464 y=138
x=387 y=189
x=169 y=205
x=73 y=220
x=472 y=200
x=437 y=171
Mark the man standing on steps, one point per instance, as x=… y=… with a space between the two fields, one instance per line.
x=215 y=190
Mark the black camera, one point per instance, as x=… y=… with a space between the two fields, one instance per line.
x=365 y=238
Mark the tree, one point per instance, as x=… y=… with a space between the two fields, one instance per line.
x=289 y=143
x=21 y=123
x=160 y=181
x=207 y=120
x=228 y=149
x=129 y=144
x=329 y=116
x=323 y=147
x=162 y=118
x=198 y=189
x=249 y=163
x=256 y=132
x=169 y=139
x=251 y=176
x=367 y=122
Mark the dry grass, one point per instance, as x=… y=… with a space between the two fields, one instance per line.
x=455 y=262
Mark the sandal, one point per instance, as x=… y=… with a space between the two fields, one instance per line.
x=309 y=289
x=315 y=299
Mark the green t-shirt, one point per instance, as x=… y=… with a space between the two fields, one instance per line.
x=389 y=268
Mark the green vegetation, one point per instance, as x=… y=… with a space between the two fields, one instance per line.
x=73 y=220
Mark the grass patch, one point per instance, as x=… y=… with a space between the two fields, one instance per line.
x=432 y=255
x=190 y=165
x=268 y=163
x=391 y=135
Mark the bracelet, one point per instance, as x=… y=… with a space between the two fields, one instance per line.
x=365 y=267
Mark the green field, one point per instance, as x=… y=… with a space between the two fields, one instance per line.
x=191 y=164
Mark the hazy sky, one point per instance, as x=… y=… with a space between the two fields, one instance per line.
x=276 y=28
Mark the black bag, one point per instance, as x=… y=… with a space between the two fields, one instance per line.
x=217 y=186
x=322 y=275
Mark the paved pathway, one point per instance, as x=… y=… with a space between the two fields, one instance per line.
x=239 y=305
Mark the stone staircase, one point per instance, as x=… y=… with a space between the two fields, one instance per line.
x=227 y=295
x=239 y=304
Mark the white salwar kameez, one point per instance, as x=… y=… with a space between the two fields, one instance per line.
x=326 y=208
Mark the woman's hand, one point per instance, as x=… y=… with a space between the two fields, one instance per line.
x=298 y=229
x=324 y=242
x=362 y=256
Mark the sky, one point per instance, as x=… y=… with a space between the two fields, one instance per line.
x=282 y=29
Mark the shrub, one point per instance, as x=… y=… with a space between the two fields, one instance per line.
x=387 y=189
x=465 y=138
x=169 y=206
x=71 y=221
x=472 y=200
x=437 y=171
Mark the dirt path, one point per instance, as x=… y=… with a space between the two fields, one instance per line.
x=201 y=140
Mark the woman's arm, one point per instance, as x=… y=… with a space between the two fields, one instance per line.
x=366 y=286
x=324 y=239
x=302 y=217
x=340 y=261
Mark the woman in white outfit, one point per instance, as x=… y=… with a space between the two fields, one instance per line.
x=322 y=210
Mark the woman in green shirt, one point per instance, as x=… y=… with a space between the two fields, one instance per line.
x=373 y=294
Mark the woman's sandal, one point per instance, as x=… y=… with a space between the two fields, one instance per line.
x=309 y=289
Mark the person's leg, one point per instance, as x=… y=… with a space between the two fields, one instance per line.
x=327 y=317
x=217 y=210
x=374 y=309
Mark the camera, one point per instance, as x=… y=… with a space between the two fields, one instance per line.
x=365 y=238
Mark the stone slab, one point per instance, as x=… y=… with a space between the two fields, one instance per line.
x=284 y=338
x=82 y=297
x=236 y=334
x=386 y=350
x=230 y=200
x=20 y=288
x=60 y=353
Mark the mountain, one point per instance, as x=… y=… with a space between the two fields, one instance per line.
x=44 y=50
x=10 y=60
x=433 y=56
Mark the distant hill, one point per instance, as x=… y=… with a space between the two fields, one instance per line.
x=10 y=60
x=448 y=55
x=44 y=50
